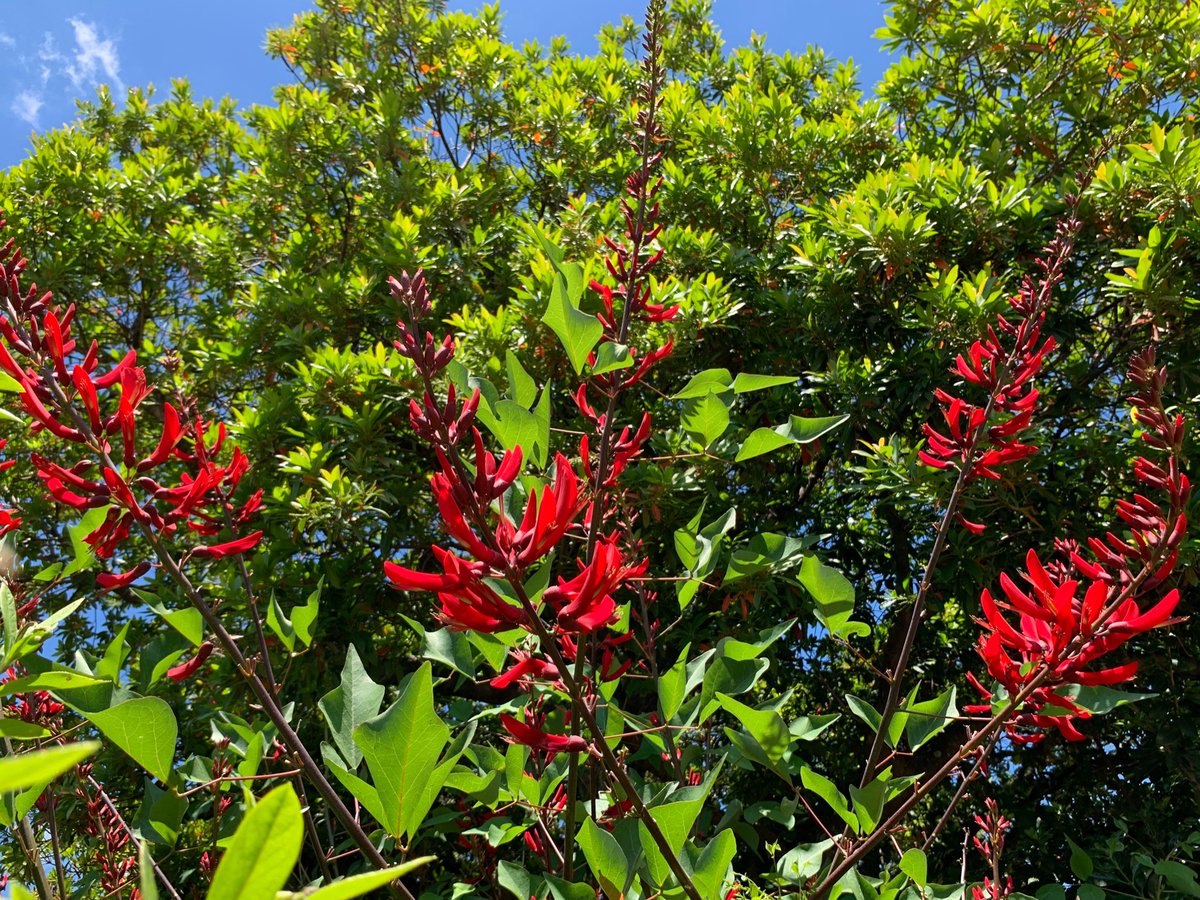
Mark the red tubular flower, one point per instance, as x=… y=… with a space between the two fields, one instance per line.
x=585 y=604
x=229 y=548
x=110 y=581
x=527 y=667
x=534 y=737
x=547 y=520
x=468 y=603
x=187 y=669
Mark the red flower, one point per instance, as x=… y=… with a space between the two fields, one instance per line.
x=534 y=737
x=585 y=603
x=229 y=548
x=188 y=669
x=1059 y=633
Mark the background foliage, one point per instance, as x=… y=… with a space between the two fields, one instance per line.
x=854 y=241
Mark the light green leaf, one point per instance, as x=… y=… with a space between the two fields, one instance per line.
x=797 y=430
x=347 y=706
x=20 y=730
x=280 y=624
x=358 y=885
x=40 y=767
x=145 y=728
x=610 y=357
x=744 y=383
x=834 y=595
x=915 y=866
x=827 y=791
x=765 y=725
x=8 y=609
x=577 y=330
x=521 y=386
x=767 y=552
x=874 y=719
x=704 y=383
x=401 y=748
x=705 y=418
x=304 y=616
x=930 y=718
x=263 y=850
x=452 y=648
x=146 y=873
x=672 y=686
x=709 y=870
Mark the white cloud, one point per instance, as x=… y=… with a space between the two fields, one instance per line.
x=93 y=58
x=26 y=106
x=7 y=40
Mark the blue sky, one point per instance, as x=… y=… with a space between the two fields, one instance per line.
x=54 y=52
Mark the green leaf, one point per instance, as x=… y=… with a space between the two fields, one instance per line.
x=915 y=866
x=8 y=610
x=874 y=719
x=452 y=648
x=1090 y=892
x=577 y=330
x=82 y=556
x=767 y=552
x=145 y=728
x=514 y=879
x=1051 y=892
x=1180 y=877
x=672 y=686
x=358 y=885
x=149 y=887
x=1100 y=699
x=521 y=386
x=187 y=621
x=705 y=418
x=263 y=851
x=401 y=748
x=19 y=730
x=827 y=791
x=347 y=706
x=160 y=815
x=797 y=430
x=304 y=616
x=868 y=801
x=280 y=624
x=675 y=821
x=363 y=792
x=605 y=858
x=1081 y=863
x=704 y=383
x=744 y=383
x=930 y=718
x=765 y=725
x=610 y=357
x=40 y=767
x=834 y=595
x=728 y=676
x=516 y=426
x=710 y=868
